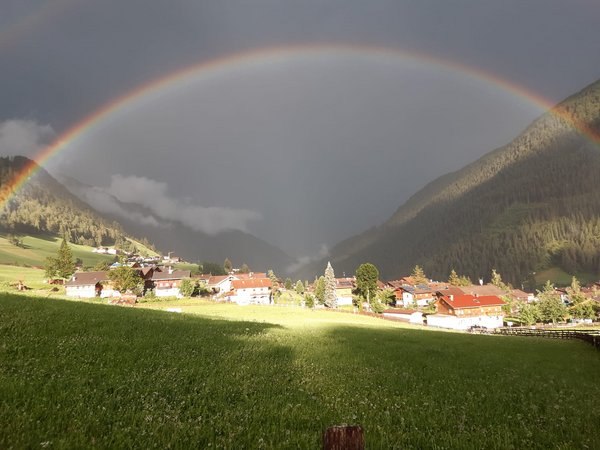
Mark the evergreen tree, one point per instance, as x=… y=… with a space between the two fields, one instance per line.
x=453 y=278
x=227 y=265
x=63 y=266
x=367 y=276
x=581 y=307
x=497 y=281
x=330 y=297
x=320 y=290
x=271 y=276
x=287 y=284
x=212 y=268
x=418 y=275
x=299 y=287
x=244 y=268
x=309 y=300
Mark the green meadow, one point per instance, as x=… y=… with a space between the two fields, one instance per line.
x=36 y=248
x=82 y=374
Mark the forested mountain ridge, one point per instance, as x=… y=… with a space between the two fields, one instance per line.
x=531 y=204
x=42 y=204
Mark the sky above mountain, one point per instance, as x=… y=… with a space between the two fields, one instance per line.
x=308 y=122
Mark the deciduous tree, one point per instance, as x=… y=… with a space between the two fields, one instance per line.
x=126 y=279
x=552 y=309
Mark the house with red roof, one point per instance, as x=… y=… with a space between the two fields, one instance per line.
x=461 y=312
x=251 y=291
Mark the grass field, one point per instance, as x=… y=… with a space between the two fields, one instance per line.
x=78 y=375
x=559 y=277
x=36 y=248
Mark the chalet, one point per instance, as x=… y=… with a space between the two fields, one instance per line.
x=404 y=315
x=461 y=312
x=251 y=291
x=219 y=284
x=343 y=290
x=522 y=296
x=90 y=285
x=167 y=283
x=222 y=284
x=420 y=295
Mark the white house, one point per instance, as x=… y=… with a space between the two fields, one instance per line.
x=167 y=283
x=251 y=291
x=90 y=285
x=460 y=312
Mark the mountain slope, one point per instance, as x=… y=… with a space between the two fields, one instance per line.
x=531 y=204
x=42 y=205
x=194 y=246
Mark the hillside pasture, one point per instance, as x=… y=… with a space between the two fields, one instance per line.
x=76 y=374
x=37 y=248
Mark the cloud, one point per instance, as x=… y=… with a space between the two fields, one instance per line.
x=304 y=260
x=153 y=195
x=102 y=201
x=24 y=137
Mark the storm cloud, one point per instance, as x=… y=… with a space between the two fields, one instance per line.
x=303 y=152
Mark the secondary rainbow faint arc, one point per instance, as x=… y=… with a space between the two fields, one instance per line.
x=238 y=60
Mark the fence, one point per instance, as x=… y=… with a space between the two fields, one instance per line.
x=591 y=336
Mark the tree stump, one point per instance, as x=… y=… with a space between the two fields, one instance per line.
x=344 y=437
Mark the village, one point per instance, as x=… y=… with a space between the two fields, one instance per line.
x=414 y=299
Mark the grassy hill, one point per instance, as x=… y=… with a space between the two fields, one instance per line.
x=78 y=375
x=36 y=248
x=43 y=206
x=529 y=206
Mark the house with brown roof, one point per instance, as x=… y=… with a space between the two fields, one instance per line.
x=251 y=291
x=461 y=312
x=409 y=296
x=90 y=285
x=167 y=282
x=343 y=290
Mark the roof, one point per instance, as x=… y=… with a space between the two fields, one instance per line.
x=517 y=293
x=146 y=271
x=251 y=283
x=87 y=278
x=217 y=279
x=450 y=290
x=243 y=276
x=396 y=284
x=401 y=311
x=175 y=275
x=472 y=301
x=486 y=289
x=342 y=283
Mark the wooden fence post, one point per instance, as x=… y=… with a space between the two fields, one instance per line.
x=344 y=437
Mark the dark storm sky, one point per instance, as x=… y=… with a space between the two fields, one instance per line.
x=302 y=151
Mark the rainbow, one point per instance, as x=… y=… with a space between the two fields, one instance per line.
x=220 y=66
x=28 y=23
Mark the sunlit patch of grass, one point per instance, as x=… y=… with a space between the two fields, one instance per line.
x=75 y=374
